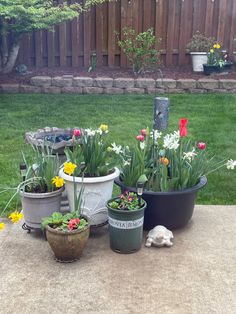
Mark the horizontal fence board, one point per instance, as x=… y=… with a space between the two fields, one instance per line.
x=174 y=21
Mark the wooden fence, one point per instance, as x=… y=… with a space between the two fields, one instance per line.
x=72 y=43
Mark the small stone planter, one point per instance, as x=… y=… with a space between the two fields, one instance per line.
x=67 y=246
x=198 y=59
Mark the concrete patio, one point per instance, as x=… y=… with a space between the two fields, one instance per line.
x=196 y=276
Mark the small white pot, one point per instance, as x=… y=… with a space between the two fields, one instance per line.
x=97 y=191
x=198 y=59
x=234 y=55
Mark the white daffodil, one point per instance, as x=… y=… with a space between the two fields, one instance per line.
x=142 y=145
x=231 y=164
x=126 y=163
x=155 y=134
x=189 y=155
x=89 y=132
x=171 y=141
x=116 y=148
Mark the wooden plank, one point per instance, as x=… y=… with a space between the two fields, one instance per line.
x=196 y=15
x=170 y=32
x=51 y=48
x=99 y=34
x=87 y=38
x=123 y=8
x=136 y=16
x=147 y=14
x=75 y=42
x=38 y=49
x=232 y=43
x=182 y=34
x=209 y=17
x=111 y=34
x=26 y=49
x=221 y=21
x=159 y=25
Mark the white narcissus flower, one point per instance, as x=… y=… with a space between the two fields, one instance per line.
x=116 y=148
x=90 y=132
x=126 y=163
x=142 y=145
x=189 y=155
x=231 y=164
x=155 y=134
x=171 y=141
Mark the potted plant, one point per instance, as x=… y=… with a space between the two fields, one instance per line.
x=92 y=160
x=173 y=170
x=199 y=46
x=40 y=190
x=126 y=216
x=67 y=234
x=216 y=61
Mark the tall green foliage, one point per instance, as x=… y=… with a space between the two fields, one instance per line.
x=18 y=17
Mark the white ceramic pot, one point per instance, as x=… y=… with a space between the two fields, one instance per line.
x=97 y=191
x=234 y=55
x=39 y=205
x=198 y=59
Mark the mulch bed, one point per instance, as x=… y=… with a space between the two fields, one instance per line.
x=173 y=72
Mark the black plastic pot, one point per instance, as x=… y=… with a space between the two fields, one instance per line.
x=170 y=209
x=126 y=229
x=209 y=69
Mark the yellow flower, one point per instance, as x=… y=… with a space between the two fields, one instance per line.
x=216 y=46
x=103 y=127
x=2 y=225
x=211 y=50
x=69 y=168
x=59 y=182
x=109 y=149
x=15 y=216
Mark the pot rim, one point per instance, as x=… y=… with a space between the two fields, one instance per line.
x=108 y=177
x=198 y=53
x=65 y=232
x=128 y=212
x=41 y=195
x=202 y=182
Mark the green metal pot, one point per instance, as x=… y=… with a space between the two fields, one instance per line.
x=126 y=229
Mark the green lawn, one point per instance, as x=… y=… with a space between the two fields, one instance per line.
x=212 y=119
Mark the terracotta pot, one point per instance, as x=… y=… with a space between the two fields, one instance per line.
x=67 y=246
x=171 y=209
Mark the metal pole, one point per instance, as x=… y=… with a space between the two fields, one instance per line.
x=161 y=113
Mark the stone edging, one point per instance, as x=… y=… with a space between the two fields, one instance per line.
x=69 y=84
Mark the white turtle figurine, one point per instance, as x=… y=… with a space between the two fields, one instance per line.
x=159 y=236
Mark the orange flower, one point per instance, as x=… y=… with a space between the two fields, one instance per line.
x=164 y=161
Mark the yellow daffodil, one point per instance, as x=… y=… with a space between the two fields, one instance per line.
x=103 y=127
x=15 y=216
x=69 y=168
x=2 y=225
x=211 y=50
x=59 y=182
x=216 y=46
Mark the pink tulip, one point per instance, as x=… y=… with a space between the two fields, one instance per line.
x=140 y=138
x=76 y=132
x=201 y=145
x=143 y=132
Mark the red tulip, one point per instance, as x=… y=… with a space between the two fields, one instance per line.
x=183 y=127
x=201 y=145
x=76 y=132
x=140 y=138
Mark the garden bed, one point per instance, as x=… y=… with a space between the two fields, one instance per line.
x=172 y=72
